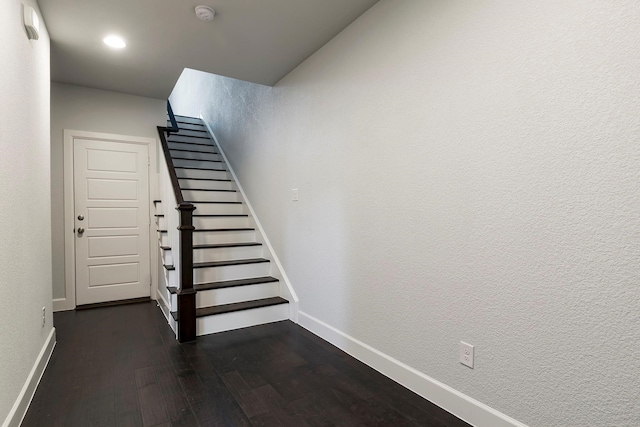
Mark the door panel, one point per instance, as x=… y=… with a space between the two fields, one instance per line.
x=111 y=193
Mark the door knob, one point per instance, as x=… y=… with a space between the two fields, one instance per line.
x=80 y=230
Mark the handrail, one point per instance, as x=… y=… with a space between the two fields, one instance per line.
x=167 y=157
x=186 y=294
x=174 y=125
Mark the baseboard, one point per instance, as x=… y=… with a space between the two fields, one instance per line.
x=19 y=409
x=293 y=297
x=63 y=304
x=464 y=407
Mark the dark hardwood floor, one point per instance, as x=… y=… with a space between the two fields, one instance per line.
x=121 y=366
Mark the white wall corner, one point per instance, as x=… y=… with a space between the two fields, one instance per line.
x=292 y=296
x=451 y=400
x=19 y=409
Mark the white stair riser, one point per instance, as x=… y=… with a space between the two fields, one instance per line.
x=197 y=173
x=171 y=278
x=186 y=184
x=190 y=126
x=221 y=222
x=236 y=294
x=191 y=138
x=241 y=319
x=210 y=196
x=230 y=272
x=195 y=155
x=167 y=257
x=163 y=239
x=198 y=164
x=219 y=208
x=191 y=147
x=161 y=222
x=191 y=132
x=225 y=254
x=204 y=238
x=232 y=295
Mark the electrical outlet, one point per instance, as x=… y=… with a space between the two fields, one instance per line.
x=466 y=354
x=294 y=194
x=44 y=316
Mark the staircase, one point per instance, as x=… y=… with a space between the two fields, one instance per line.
x=233 y=280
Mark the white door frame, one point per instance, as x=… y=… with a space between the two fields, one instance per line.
x=69 y=302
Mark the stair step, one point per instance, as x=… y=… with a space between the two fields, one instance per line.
x=218 y=245
x=213 y=230
x=191 y=126
x=224 y=237
x=229 y=262
x=207 y=174
x=226 y=245
x=234 y=283
x=198 y=133
x=183 y=150
x=188 y=119
x=193 y=148
x=238 y=306
x=221 y=263
x=205 y=179
x=190 y=139
x=196 y=160
x=228 y=284
x=200 y=168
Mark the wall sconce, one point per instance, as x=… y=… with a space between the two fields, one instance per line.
x=31 y=22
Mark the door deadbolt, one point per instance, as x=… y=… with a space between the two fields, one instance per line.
x=80 y=217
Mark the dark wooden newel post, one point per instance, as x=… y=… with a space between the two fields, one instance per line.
x=186 y=293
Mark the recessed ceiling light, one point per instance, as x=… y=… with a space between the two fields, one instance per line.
x=114 y=42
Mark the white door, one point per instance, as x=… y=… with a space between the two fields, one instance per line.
x=111 y=193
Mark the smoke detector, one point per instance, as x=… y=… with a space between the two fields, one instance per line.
x=205 y=13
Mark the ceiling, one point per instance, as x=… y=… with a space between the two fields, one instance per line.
x=254 y=40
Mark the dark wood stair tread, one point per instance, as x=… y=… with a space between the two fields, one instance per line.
x=209 y=189
x=189 y=136
x=228 y=284
x=190 y=142
x=219 y=215
x=238 y=306
x=218 y=245
x=191 y=151
x=205 y=179
x=210 y=201
x=188 y=119
x=197 y=160
x=200 y=230
x=202 y=169
x=205 y=189
x=229 y=262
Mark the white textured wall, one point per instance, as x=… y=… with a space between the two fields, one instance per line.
x=467 y=171
x=25 y=229
x=88 y=109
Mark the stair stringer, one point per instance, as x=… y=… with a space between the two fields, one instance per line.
x=277 y=270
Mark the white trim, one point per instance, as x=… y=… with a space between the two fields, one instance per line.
x=69 y=301
x=451 y=400
x=293 y=300
x=19 y=409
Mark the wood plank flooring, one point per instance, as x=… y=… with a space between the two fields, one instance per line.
x=121 y=366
